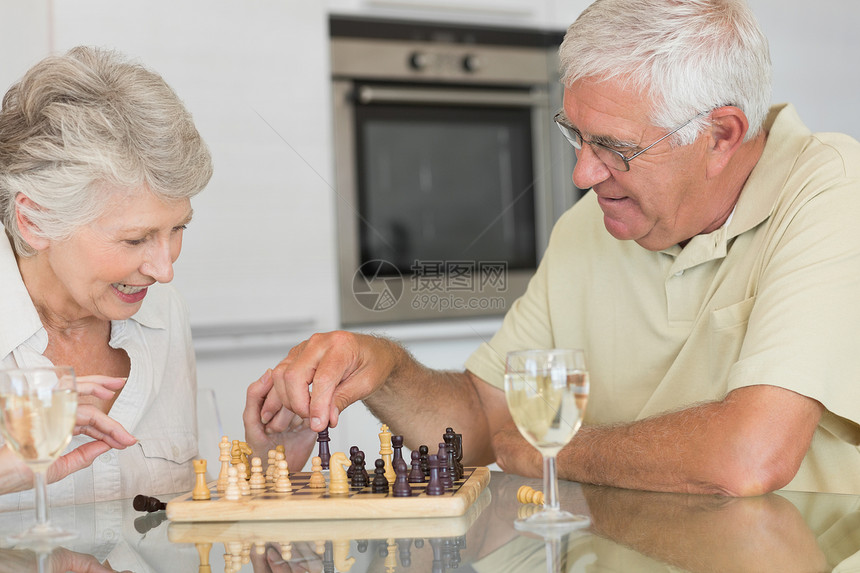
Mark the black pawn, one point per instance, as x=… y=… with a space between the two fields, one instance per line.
x=324 y=453
x=401 y=487
x=424 y=452
x=404 y=547
x=359 y=475
x=417 y=474
x=380 y=482
x=434 y=486
x=351 y=469
x=147 y=503
x=444 y=473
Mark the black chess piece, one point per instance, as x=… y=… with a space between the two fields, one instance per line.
x=455 y=441
x=401 y=487
x=351 y=469
x=361 y=545
x=417 y=474
x=147 y=503
x=144 y=523
x=324 y=452
x=359 y=474
x=328 y=558
x=424 y=453
x=397 y=446
x=380 y=482
x=444 y=473
x=434 y=486
x=404 y=551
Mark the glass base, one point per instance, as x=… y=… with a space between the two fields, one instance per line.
x=551 y=522
x=42 y=536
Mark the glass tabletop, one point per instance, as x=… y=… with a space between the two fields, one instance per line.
x=630 y=531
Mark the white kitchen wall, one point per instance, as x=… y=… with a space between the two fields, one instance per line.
x=258 y=264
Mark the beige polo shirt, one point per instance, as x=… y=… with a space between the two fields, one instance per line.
x=771 y=298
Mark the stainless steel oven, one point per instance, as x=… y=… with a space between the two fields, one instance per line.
x=449 y=172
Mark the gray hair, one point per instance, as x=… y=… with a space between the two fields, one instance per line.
x=81 y=127
x=685 y=56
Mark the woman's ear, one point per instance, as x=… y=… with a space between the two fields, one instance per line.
x=28 y=229
x=729 y=126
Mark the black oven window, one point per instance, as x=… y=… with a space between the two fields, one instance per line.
x=445 y=184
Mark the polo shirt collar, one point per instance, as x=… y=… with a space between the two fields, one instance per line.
x=786 y=137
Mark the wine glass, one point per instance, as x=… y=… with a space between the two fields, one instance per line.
x=546 y=392
x=37 y=415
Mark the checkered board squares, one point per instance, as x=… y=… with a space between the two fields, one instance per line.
x=304 y=503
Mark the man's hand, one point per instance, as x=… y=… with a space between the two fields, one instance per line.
x=323 y=375
x=296 y=437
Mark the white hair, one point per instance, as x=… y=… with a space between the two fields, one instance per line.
x=81 y=127
x=685 y=56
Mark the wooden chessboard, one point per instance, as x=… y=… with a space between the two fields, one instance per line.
x=304 y=503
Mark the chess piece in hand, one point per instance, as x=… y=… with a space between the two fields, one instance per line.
x=296 y=437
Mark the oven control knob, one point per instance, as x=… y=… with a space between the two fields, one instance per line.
x=471 y=63
x=419 y=60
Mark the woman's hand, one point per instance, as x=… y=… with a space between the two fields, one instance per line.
x=106 y=432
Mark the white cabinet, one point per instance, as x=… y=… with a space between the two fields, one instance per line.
x=258 y=258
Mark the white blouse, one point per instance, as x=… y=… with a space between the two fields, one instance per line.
x=157 y=404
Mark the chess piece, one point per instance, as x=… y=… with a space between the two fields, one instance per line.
x=401 y=487
x=417 y=474
x=201 y=491
x=385 y=451
x=397 y=446
x=338 y=483
x=359 y=474
x=147 y=503
x=424 y=453
x=224 y=458
x=352 y=451
x=340 y=555
x=404 y=550
x=434 y=486
x=244 y=486
x=232 y=492
x=203 y=553
x=528 y=494
x=258 y=480
x=444 y=473
x=324 y=453
x=271 y=466
x=317 y=479
x=391 y=558
x=282 y=481
x=455 y=442
x=380 y=482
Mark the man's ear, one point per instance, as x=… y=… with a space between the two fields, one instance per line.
x=28 y=229
x=729 y=125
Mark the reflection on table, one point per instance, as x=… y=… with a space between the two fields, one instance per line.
x=631 y=531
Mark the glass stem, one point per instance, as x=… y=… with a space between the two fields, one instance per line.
x=550 y=484
x=41 y=492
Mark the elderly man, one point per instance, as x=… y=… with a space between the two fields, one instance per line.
x=718 y=313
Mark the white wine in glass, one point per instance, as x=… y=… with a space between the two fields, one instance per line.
x=37 y=417
x=547 y=391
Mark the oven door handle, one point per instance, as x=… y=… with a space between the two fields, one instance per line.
x=376 y=94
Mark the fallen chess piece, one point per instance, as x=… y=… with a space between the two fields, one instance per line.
x=146 y=503
x=528 y=494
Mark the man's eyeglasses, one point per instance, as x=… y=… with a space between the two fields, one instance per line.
x=612 y=158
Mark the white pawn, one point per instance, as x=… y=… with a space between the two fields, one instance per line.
x=232 y=492
x=282 y=482
x=241 y=472
x=258 y=480
x=271 y=467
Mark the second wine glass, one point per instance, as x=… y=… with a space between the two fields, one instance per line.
x=547 y=391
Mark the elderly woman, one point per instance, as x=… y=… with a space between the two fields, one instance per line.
x=99 y=160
